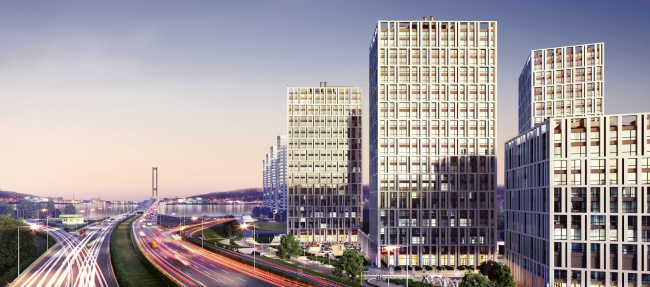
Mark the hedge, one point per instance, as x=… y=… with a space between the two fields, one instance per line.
x=412 y=283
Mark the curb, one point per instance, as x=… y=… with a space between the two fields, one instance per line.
x=36 y=262
x=110 y=260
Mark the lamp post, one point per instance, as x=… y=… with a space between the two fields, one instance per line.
x=194 y=218
x=244 y=226
x=395 y=247
x=47 y=231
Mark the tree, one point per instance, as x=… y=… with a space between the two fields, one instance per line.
x=27 y=209
x=474 y=280
x=486 y=266
x=502 y=275
x=51 y=209
x=9 y=242
x=256 y=211
x=289 y=247
x=4 y=208
x=352 y=263
x=69 y=209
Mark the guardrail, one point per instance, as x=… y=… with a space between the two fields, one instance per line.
x=267 y=263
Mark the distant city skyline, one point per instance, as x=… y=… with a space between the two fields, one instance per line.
x=92 y=95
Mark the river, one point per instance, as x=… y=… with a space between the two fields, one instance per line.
x=205 y=209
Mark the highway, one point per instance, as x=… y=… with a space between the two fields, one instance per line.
x=75 y=261
x=190 y=265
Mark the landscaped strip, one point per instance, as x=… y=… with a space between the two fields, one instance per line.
x=129 y=268
x=329 y=277
x=239 y=258
x=168 y=281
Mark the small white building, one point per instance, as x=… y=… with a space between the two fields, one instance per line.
x=246 y=218
x=72 y=219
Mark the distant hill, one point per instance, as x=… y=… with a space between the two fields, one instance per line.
x=246 y=194
x=13 y=194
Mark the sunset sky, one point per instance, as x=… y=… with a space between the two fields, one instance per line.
x=95 y=93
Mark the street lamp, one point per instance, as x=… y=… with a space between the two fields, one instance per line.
x=47 y=223
x=395 y=247
x=32 y=227
x=244 y=226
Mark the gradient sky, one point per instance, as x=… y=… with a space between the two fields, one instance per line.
x=95 y=93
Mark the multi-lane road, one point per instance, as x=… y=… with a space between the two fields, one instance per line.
x=75 y=261
x=190 y=265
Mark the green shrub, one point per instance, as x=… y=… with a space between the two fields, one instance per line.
x=409 y=268
x=461 y=267
x=428 y=268
x=440 y=268
x=449 y=268
x=398 y=268
x=470 y=267
x=418 y=268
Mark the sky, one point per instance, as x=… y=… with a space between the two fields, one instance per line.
x=93 y=94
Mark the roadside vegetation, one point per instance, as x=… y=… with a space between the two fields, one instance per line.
x=228 y=230
x=499 y=274
x=32 y=246
x=129 y=269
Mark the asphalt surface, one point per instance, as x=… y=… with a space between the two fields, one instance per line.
x=190 y=265
x=75 y=261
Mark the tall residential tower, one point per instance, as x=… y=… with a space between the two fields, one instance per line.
x=433 y=91
x=561 y=82
x=275 y=177
x=324 y=174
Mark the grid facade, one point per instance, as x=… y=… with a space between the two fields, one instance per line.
x=324 y=179
x=577 y=195
x=561 y=82
x=432 y=142
x=280 y=178
x=267 y=190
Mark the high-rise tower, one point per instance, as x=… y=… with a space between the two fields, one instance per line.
x=433 y=91
x=154 y=182
x=324 y=163
x=561 y=82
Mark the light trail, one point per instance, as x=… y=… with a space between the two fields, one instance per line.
x=200 y=266
x=75 y=261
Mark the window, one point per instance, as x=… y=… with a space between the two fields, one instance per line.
x=578 y=151
x=578 y=247
x=629 y=192
x=598 y=234
x=629 y=207
x=597 y=220
x=560 y=233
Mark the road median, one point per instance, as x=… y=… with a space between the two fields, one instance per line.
x=130 y=269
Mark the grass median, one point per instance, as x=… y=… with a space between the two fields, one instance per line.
x=312 y=272
x=129 y=269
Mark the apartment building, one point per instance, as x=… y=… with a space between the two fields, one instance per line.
x=280 y=175
x=275 y=176
x=561 y=82
x=324 y=175
x=433 y=91
x=577 y=197
x=268 y=193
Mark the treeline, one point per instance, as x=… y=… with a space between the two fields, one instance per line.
x=247 y=194
x=29 y=209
